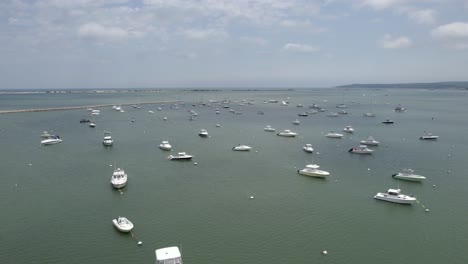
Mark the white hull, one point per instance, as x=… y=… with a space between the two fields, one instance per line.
x=269 y=129
x=242 y=148
x=108 y=143
x=317 y=173
x=409 y=177
x=118 y=185
x=164 y=147
x=50 y=141
x=429 y=137
x=127 y=227
x=334 y=136
x=401 y=199
x=308 y=150
x=370 y=143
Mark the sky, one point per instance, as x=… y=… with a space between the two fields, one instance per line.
x=54 y=44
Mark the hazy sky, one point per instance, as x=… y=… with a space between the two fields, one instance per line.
x=230 y=43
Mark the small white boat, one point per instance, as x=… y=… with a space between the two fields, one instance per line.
x=394 y=196
x=203 y=133
x=362 y=149
x=268 y=128
x=165 y=118
x=287 y=133
x=241 y=147
x=119 y=178
x=348 y=129
x=92 y=124
x=370 y=141
x=117 y=108
x=341 y=106
x=218 y=125
x=180 y=156
x=151 y=112
x=122 y=224
x=296 y=122
x=303 y=114
x=408 y=175
x=368 y=114
x=333 y=134
x=343 y=112
x=308 y=148
x=429 y=136
x=333 y=114
x=312 y=170
x=45 y=134
x=165 y=145
x=399 y=108
x=108 y=141
x=51 y=140
x=169 y=255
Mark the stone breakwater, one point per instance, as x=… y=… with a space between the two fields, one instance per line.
x=79 y=107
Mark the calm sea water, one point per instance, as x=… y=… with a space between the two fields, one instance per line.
x=57 y=202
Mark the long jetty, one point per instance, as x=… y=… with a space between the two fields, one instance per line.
x=80 y=107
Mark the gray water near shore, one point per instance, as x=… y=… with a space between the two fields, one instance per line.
x=59 y=208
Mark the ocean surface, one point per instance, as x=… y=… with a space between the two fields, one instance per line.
x=57 y=203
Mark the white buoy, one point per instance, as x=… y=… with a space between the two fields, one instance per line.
x=368 y=169
x=110 y=165
x=251 y=197
x=434 y=185
x=324 y=252
x=140 y=243
x=318 y=153
x=30 y=164
x=195 y=163
x=427 y=210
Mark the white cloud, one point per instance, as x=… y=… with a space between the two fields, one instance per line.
x=296 y=47
x=453 y=35
x=389 y=42
x=97 y=31
x=203 y=34
x=423 y=16
x=381 y=4
x=301 y=25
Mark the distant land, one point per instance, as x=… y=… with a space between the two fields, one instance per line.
x=433 y=85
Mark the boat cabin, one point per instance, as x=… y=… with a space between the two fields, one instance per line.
x=393 y=192
x=169 y=255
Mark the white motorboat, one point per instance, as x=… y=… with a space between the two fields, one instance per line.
x=333 y=134
x=362 y=149
x=165 y=118
x=308 y=148
x=180 y=156
x=408 y=175
x=399 y=108
x=51 y=140
x=296 y=122
x=303 y=114
x=368 y=114
x=348 y=129
x=312 y=170
x=268 y=128
x=343 y=112
x=117 y=108
x=92 y=124
x=45 y=134
x=394 y=196
x=241 y=147
x=370 y=141
x=119 y=178
x=287 y=133
x=203 y=133
x=429 y=136
x=333 y=114
x=165 y=145
x=341 y=106
x=169 y=255
x=108 y=141
x=122 y=224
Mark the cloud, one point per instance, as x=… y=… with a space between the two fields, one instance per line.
x=296 y=47
x=301 y=25
x=254 y=40
x=204 y=34
x=453 y=35
x=389 y=42
x=381 y=4
x=97 y=31
x=423 y=16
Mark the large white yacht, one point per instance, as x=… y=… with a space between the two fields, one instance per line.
x=312 y=170
x=287 y=133
x=169 y=255
x=51 y=140
x=180 y=156
x=333 y=134
x=370 y=141
x=429 y=136
x=268 y=128
x=241 y=147
x=165 y=145
x=394 y=196
x=362 y=149
x=308 y=148
x=119 y=178
x=122 y=224
x=108 y=141
x=408 y=175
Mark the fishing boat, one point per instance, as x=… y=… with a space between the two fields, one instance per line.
x=429 y=136
x=408 y=175
x=180 y=156
x=395 y=196
x=165 y=145
x=107 y=141
x=312 y=170
x=122 y=224
x=119 y=178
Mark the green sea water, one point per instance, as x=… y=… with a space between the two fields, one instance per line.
x=57 y=203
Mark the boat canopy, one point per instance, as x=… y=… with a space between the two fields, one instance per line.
x=312 y=166
x=168 y=255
